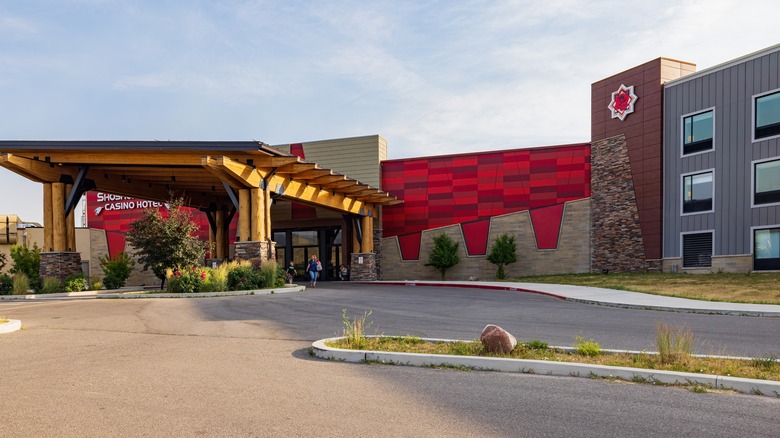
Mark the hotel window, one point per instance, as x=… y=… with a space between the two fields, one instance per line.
x=697 y=133
x=697 y=250
x=766 y=249
x=767 y=113
x=697 y=193
x=766 y=183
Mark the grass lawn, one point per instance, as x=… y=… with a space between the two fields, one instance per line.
x=761 y=288
x=766 y=368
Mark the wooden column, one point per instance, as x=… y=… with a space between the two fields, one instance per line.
x=70 y=224
x=267 y=219
x=59 y=237
x=258 y=214
x=367 y=224
x=220 y=237
x=244 y=215
x=48 y=223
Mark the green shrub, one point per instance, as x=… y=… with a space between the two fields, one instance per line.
x=243 y=276
x=51 y=285
x=186 y=280
x=75 y=283
x=586 y=348
x=6 y=284
x=21 y=284
x=28 y=262
x=96 y=285
x=116 y=270
x=675 y=344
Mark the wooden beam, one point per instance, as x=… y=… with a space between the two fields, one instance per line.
x=311 y=174
x=38 y=171
x=125 y=158
x=324 y=181
x=296 y=168
x=313 y=195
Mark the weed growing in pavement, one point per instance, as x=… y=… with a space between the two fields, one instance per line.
x=586 y=348
x=354 y=330
x=675 y=344
x=536 y=344
x=768 y=362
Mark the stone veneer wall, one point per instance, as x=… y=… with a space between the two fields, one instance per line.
x=616 y=236
x=378 y=252
x=253 y=250
x=60 y=265
x=365 y=271
x=572 y=254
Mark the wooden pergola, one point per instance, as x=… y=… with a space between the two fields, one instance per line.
x=219 y=178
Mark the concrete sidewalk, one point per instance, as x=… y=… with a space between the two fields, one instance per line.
x=609 y=297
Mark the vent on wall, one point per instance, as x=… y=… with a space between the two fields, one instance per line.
x=697 y=250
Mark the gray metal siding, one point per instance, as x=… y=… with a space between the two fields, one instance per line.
x=730 y=91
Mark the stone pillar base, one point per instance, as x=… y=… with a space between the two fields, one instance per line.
x=262 y=250
x=60 y=265
x=363 y=266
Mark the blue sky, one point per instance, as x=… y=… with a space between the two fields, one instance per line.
x=432 y=77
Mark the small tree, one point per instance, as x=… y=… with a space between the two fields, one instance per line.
x=503 y=252
x=28 y=262
x=166 y=242
x=444 y=254
x=3 y=261
x=116 y=270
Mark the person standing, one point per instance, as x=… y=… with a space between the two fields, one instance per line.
x=313 y=270
x=291 y=272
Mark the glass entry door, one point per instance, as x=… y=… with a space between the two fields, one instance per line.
x=300 y=245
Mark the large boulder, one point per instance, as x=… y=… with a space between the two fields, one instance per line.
x=497 y=340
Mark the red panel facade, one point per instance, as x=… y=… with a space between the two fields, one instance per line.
x=115 y=214
x=457 y=189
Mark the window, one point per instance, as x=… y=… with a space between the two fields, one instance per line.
x=697 y=250
x=697 y=133
x=767 y=183
x=766 y=249
x=697 y=193
x=767 y=112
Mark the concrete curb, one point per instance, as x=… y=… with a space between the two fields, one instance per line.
x=747 y=386
x=707 y=307
x=139 y=294
x=11 y=326
x=131 y=295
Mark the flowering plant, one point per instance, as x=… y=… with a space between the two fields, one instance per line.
x=186 y=279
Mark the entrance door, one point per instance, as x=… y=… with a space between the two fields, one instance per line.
x=300 y=245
